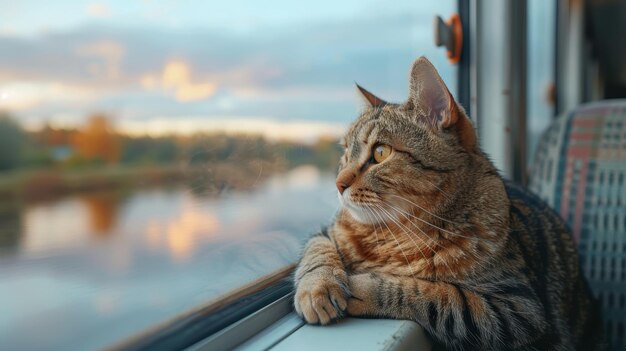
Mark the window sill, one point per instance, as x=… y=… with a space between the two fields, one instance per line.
x=354 y=334
x=288 y=332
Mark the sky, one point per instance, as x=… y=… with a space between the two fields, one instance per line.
x=285 y=69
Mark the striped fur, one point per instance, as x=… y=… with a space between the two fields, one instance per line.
x=433 y=234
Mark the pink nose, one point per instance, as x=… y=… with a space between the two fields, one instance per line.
x=341 y=186
x=344 y=179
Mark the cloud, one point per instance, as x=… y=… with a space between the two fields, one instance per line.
x=26 y=95
x=105 y=56
x=301 y=72
x=177 y=78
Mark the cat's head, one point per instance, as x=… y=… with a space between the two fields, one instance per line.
x=413 y=156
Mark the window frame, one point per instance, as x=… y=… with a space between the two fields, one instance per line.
x=199 y=324
x=497 y=64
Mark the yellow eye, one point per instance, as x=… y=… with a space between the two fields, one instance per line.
x=381 y=152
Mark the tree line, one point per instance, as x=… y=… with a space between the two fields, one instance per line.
x=97 y=144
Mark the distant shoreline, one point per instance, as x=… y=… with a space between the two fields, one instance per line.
x=47 y=184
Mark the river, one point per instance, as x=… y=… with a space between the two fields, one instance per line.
x=89 y=270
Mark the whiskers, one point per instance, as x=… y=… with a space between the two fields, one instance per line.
x=479 y=260
x=380 y=208
x=374 y=220
x=403 y=212
x=380 y=213
x=421 y=208
x=378 y=221
x=423 y=235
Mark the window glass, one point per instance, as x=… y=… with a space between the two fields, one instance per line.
x=156 y=155
x=541 y=63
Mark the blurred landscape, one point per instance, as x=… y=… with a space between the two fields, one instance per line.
x=51 y=162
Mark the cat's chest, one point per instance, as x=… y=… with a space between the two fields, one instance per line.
x=366 y=253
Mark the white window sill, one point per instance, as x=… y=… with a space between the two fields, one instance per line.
x=348 y=334
x=287 y=332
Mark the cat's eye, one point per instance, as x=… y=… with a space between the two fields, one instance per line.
x=381 y=152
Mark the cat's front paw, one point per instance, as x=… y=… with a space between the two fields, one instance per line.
x=362 y=301
x=321 y=296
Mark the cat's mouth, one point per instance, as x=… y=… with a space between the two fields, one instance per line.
x=363 y=213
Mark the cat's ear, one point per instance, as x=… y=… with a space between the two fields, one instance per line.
x=429 y=94
x=372 y=99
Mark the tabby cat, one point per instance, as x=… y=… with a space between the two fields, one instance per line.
x=429 y=231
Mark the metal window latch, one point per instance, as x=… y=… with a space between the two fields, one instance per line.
x=450 y=35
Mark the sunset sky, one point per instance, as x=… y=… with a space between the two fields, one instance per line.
x=282 y=68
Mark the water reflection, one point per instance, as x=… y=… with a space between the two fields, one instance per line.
x=180 y=235
x=108 y=265
x=10 y=226
x=49 y=227
x=102 y=208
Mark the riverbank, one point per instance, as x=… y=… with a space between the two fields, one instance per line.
x=33 y=185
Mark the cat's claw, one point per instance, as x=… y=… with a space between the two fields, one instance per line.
x=321 y=298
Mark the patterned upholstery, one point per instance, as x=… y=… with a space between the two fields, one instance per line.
x=580 y=170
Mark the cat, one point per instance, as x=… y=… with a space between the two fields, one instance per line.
x=429 y=231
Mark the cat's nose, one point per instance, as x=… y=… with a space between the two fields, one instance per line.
x=345 y=178
x=341 y=186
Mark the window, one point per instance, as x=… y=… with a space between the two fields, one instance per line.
x=155 y=156
x=541 y=89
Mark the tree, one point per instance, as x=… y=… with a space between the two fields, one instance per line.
x=163 y=150
x=11 y=143
x=97 y=141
